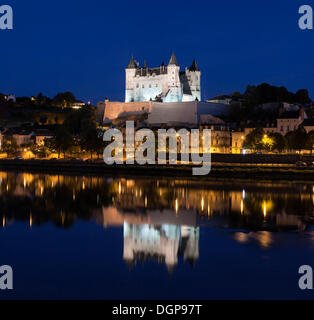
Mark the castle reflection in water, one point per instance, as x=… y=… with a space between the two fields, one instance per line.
x=161 y=218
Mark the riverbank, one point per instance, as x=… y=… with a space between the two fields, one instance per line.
x=219 y=170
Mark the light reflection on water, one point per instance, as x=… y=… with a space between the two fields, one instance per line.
x=162 y=220
x=62 y=200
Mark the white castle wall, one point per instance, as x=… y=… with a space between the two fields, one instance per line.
x=166 y=82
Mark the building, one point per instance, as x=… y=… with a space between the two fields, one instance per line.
x=21 y=136
x=221 y=99
x=290 y=121
x=163 y=243
x=308 y=125
x=163 y=83
x=238 y=138
x=162 y=96
x=220 y=135
x=11 y=97
x=78 y=105
x=41 y=135
x=25 y=136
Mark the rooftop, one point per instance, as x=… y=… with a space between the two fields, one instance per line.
x=308 y=123
x=290 y=115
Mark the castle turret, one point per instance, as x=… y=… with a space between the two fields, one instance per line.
x=132 y=64
x=194 y=78
x=173 y=60
x=174 y=83
x=130 y=72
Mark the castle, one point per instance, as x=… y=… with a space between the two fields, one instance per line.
x=164 y=94
x=163 y=83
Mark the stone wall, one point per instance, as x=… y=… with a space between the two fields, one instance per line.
x=261 y=158
x=113 y=110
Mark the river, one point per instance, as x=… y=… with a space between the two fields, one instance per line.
x=104 y=237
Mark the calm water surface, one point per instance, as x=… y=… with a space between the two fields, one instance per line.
x=70 y=237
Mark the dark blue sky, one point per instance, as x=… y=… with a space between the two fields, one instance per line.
x=84 y=46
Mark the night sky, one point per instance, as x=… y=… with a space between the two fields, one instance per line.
x=84 y=46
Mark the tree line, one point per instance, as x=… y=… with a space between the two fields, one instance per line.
x=259 y=140
x=79 y=132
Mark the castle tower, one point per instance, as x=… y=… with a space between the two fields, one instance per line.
x=130 y=72
x=194 y=78
x=174 y=82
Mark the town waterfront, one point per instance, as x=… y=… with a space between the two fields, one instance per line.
x=85 y=237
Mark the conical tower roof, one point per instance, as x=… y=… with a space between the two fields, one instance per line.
x=194 y=66
x=173 y=60
x=132 y=64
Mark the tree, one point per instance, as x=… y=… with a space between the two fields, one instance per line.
x=61 y=142
x=302 y=96
x=40 y=151
x=10 y=146
x=280 y=142
x=264 y=93
x=253 y=140
x=78 y=120
x=41 y=99
x=91 y=139
x=309 y=143
x=64 y=99
x=297 y=139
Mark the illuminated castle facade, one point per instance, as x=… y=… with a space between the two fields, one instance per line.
x=162 y=243
x=163 y=83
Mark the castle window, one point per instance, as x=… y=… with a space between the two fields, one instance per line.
x=137 y=85
x=150 y=85
x=143 y=86
x=156 y=85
